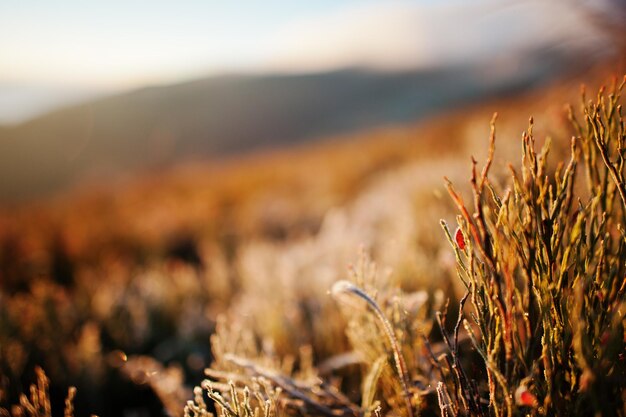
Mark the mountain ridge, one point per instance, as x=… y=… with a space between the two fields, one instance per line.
x=233 y=113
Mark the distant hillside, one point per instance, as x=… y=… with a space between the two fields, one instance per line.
x=157 y=126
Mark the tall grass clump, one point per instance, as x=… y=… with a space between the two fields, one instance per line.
x=543 y=262
x=246 y=379
x=539 y=329
x=385 y=328
x=37 y=403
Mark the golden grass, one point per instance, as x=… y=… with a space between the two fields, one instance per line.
x=246 y=252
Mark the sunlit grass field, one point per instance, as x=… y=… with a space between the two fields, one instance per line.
x=319 y=280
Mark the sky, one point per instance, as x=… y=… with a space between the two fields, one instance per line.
x=57 y=52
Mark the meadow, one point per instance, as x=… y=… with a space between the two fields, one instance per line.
x=466 y=265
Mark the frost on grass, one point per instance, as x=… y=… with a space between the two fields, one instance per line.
x=37 y=402
x=544 y=270
x=539 y=326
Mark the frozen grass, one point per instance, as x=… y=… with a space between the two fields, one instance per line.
x=544 y=271
x=524 y=315
x=542 y=261
x=37 y=403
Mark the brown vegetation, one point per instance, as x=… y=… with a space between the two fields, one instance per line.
x=118 y=291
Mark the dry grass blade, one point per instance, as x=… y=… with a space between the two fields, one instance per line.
x=346 y=287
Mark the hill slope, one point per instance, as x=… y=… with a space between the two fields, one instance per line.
x=156 y=126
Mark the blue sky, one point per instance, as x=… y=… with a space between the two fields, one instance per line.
x=56 y=52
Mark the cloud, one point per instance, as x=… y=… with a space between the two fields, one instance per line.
x=400 y=35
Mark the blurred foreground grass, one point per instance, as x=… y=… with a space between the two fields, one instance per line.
x=118 y=291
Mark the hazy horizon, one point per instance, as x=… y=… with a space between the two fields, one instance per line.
x=63 y=54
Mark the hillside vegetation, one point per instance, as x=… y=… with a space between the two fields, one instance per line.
x=515 y=307
x=155 y=127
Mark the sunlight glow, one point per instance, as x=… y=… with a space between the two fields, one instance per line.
x=81 y=47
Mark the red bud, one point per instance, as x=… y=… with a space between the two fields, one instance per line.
x=460 y=239
x=525 y=398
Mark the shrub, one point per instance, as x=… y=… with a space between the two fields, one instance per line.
x=544 y=266
x=540 y=327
